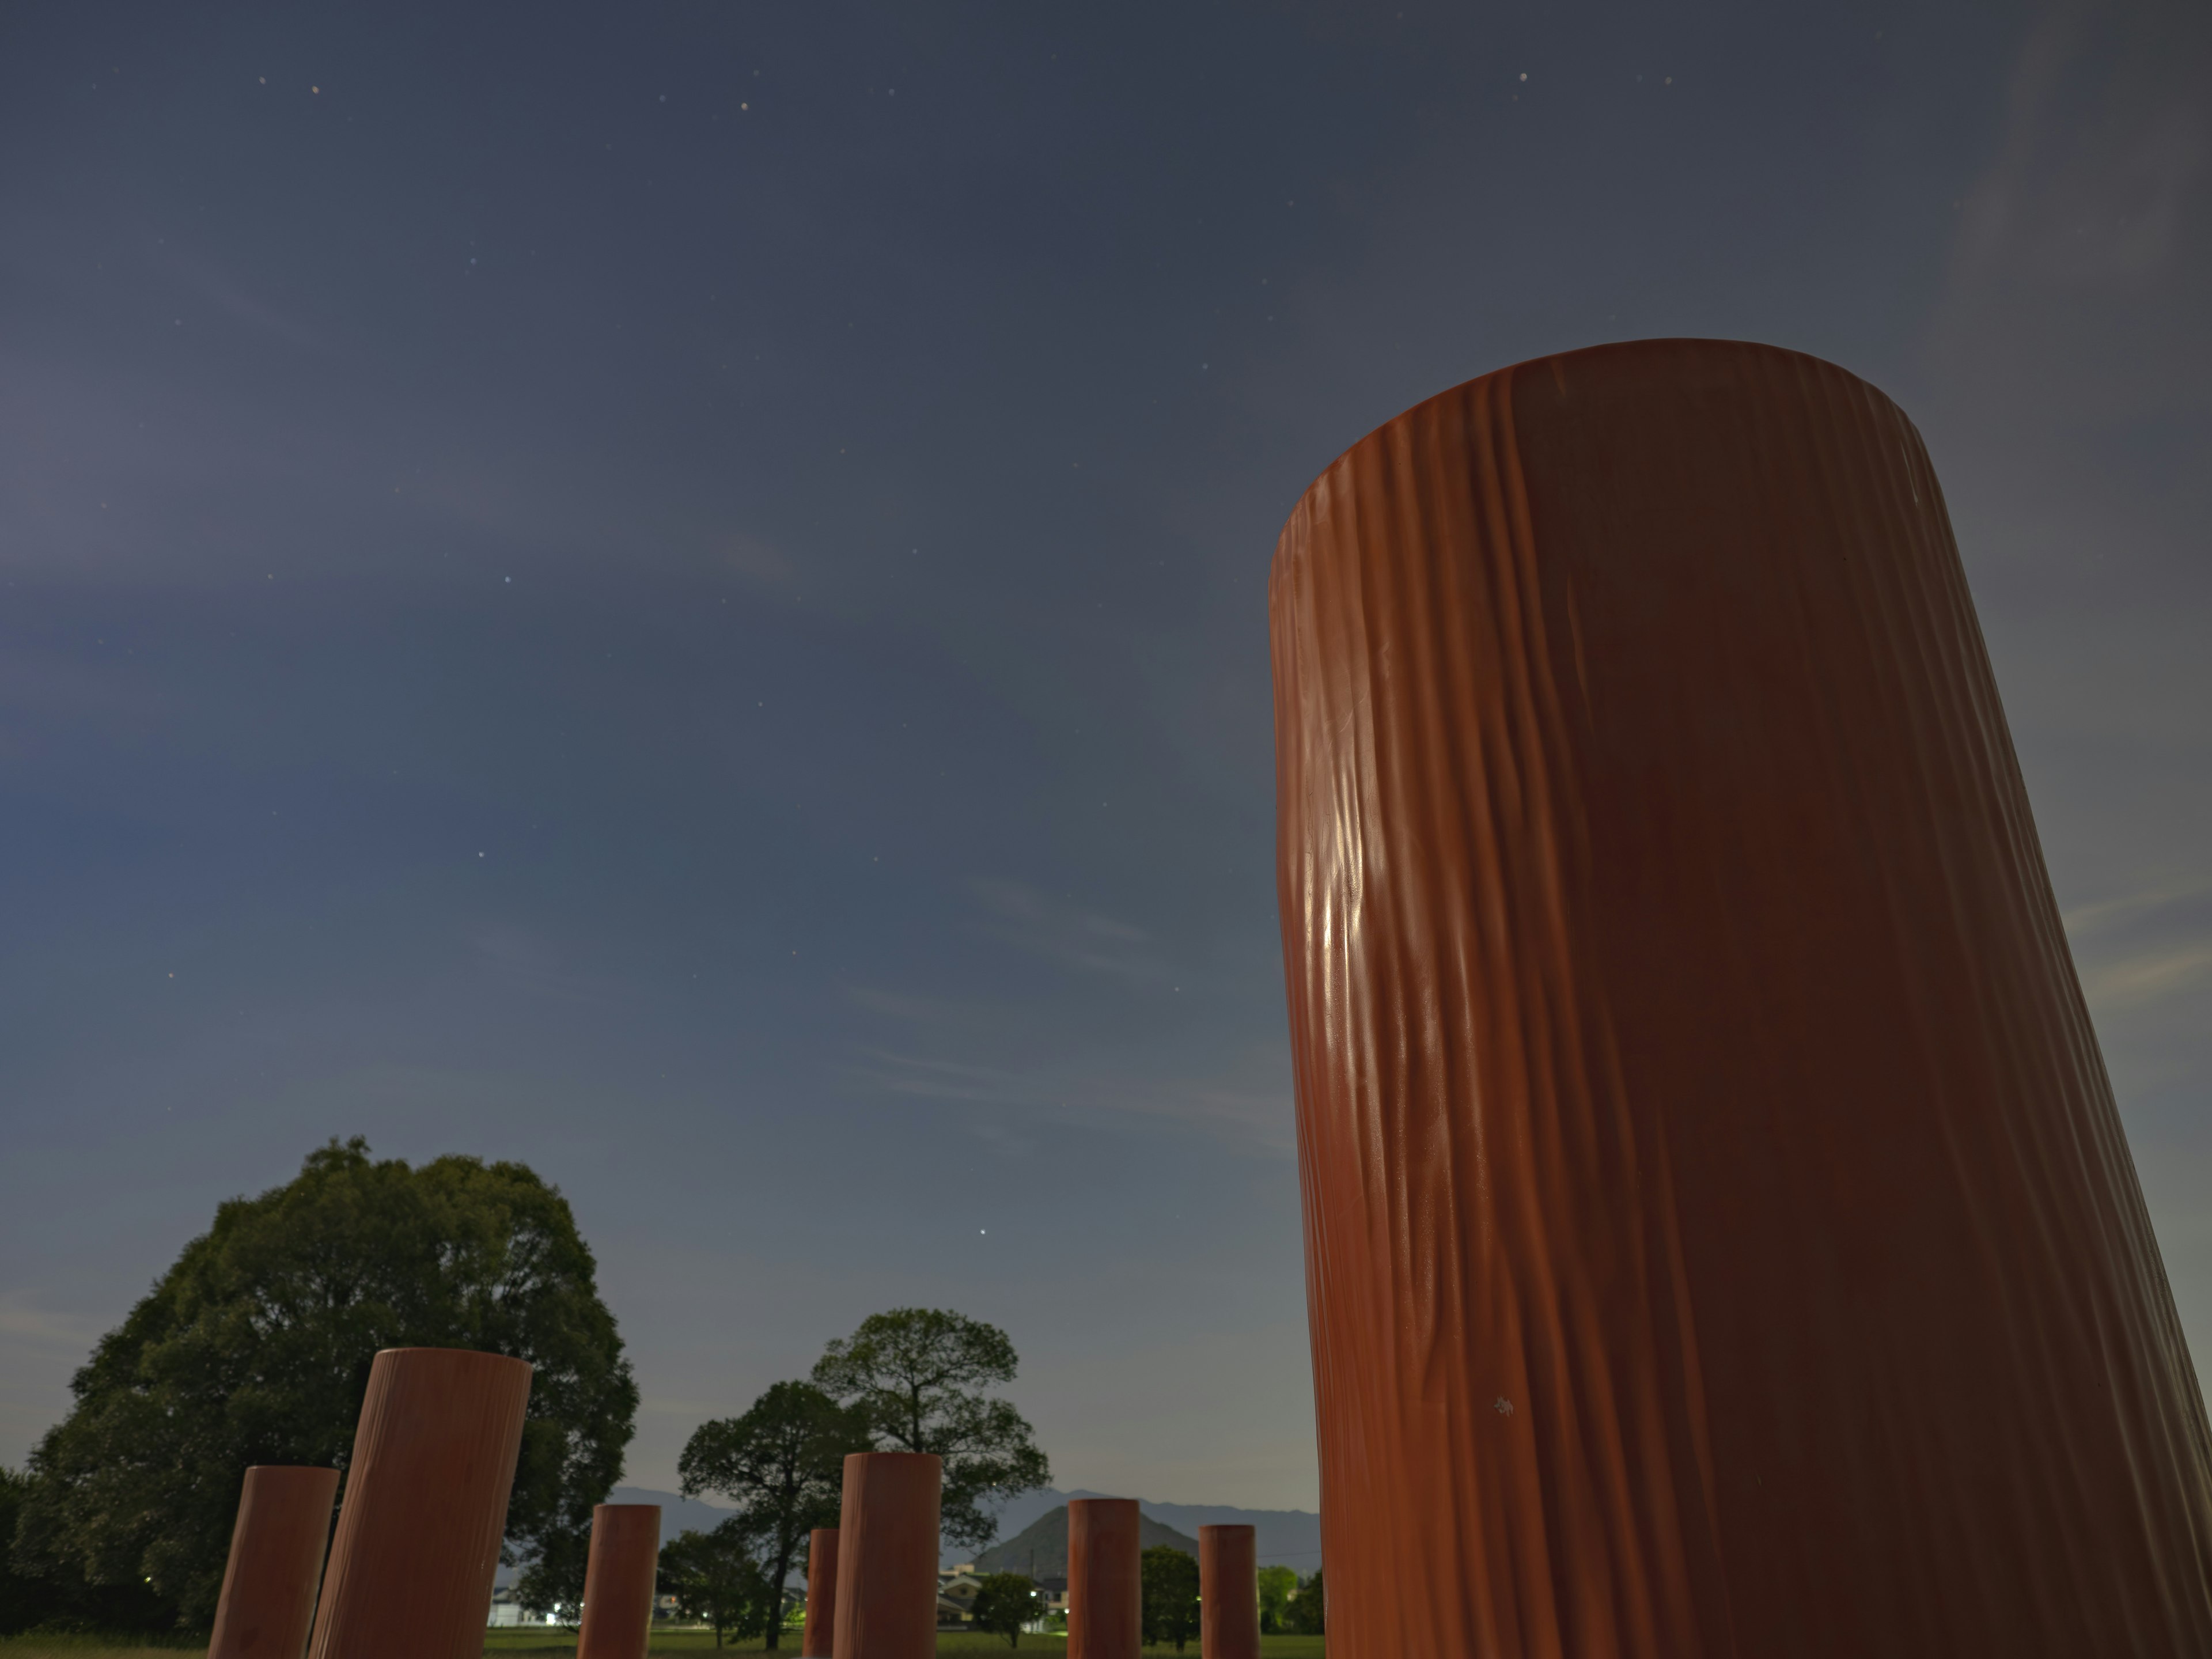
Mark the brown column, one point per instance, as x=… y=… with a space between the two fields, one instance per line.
x=887 y=1556
x=1105 y=1592
x=1720 y=1238
x=268 y=1601
x=820 y=1637
x=424 y=1507
x=1228 y=1593
x=618 y=1580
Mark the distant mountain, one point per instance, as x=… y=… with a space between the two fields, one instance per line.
x=1288 y=1538
x=1040 y=1549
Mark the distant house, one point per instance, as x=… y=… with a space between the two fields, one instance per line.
x=956 y=1586
x=506 y=1611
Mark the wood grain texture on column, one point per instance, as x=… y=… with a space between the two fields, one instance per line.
x=1228 y=1593
x=424 y=1507
x=268 y=1602
x=819 y=1639
x=887 y=1556
x=1105 y=1584
x=618 y=1579
x=1720 y=1237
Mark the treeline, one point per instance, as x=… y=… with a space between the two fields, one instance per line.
x=914 y=1379
x=255 y=1348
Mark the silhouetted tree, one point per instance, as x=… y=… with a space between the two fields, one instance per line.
x=1305 y=1615
x=1005 y=1601
x=1170 y=1595
x=713 y=1576
x=919 y=1374
x=783 y=1463
x=1277 y=1585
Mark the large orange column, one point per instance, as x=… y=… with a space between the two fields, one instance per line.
x=1105 y=1588
x=424 y=1507
x=268 y=1602
x=1720 y=1238
x=819 y=1639
x=618 y=1578
x=887 y=1556
x=1228 y=1593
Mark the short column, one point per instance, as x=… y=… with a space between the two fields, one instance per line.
x=618 y=1580
x=425 y=1506
x=1105 y=1590
x=887 y=1556
x=1228 y=1593
x=820 y=1638
x=268 y=1603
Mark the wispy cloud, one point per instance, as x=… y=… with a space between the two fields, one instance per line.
x=23 y=1322
x=1062 y=932
x=1246 y=1108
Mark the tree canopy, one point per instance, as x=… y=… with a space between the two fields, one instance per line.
x=919 y=1375
x=1005 y=1601
x=1276 y=1584
x=255 y=1348
x=1170 y=1607
x=1307 y=1613
x=713 y=1577
x=783 y=1463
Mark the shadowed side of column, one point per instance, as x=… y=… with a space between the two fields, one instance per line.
x=1720 y=1237
x=1229 y=1593
x=618 y=1579
x=819 y=1639
x=1105 y=1587
x=887 y=1556
x=268 y=1604
x=425 y=1507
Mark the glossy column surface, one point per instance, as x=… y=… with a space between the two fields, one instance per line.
x=819 y=1641
x=1720 y=1238
x=1228 y=1593
x=887 y=1556
x=424 y=1507
x=618 y=1580
x=268 y=1603
x=1105 y=1589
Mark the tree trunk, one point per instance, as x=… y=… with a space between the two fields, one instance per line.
x=785 y=1551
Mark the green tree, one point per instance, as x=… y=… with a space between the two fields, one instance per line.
x=919 y=1375
x=39 y=1591
x=1304 y=1614
x=255 y=1348
x=1277 y=1585
x=553 y=1582
x=1170 y=1608
x=1005 y=1601
x=712 y=1576
x=783 y=1465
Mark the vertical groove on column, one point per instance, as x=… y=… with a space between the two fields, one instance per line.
x=619 y=1576
x=1720 y=1237
x=887 y=1539
x=1105 y=1587
x=1228 y=1593
x=424 y=1507
x=268 y=1601
x=819 y=1639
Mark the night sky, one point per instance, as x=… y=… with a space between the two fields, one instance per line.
x=677 y=593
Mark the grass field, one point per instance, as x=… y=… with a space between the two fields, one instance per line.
x=513 y=1644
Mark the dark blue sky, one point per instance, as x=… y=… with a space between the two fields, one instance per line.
x=677 y=593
